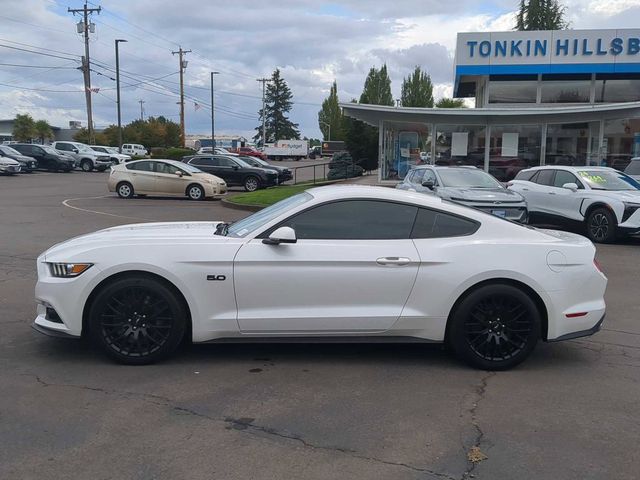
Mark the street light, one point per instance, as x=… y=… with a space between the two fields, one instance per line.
x=213 y=122
x=329 y=127
x=118 y=94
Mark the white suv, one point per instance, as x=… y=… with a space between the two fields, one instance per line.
x=85 y=156
x=116 y=157
x=604 y=201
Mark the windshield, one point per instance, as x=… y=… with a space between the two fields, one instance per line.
x=247 y=225
x=191 y=168
x=49 y=149
x=240 y=162
x=467 y=178
x=112 y=149
x=9 y=151
x=608 y=180
x=83 y=148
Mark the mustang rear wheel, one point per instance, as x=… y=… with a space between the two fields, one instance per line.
x=601 y=226
x=495 y=327
x=137 y=320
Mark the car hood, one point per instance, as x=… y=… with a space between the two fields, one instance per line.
x=8 y=161
x=208 y=176
x=489 y=195
x=23 y=158
x=156 y=233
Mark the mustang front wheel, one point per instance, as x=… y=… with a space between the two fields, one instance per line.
x=137 y=320
x=495 y=327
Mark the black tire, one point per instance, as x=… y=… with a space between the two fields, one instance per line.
x=86 y=165
x=137 y=320
x=195 y=192
x=125 y=190
x=601 y=226
x=495 y=327
x=251 y=183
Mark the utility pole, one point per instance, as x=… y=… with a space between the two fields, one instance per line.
x=264 y=112
x=183 y=66
x=141 y=102
x=85 y=27
x=118 y=95
x=213 y=123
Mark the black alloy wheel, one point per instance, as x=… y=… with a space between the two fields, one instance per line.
x=601 y=226
x=137 y=320
x=251 y=183
x=495 y=327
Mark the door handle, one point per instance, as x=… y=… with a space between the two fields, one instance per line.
x=552 y=193
x=525 y=189
x=393 y=261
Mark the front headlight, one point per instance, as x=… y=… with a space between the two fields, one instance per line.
x=631 y=205
x=68 y=270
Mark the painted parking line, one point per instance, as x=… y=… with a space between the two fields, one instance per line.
x=67 y=203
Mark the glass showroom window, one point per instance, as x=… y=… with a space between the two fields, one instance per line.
x=460 y=145
x=613 y=88
x=566 y=89
x=506 y=89
x=621 y=142
x=513 y=148
x=572 y=144
x=402 y=144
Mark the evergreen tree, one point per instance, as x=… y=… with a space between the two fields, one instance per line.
x=43 y=130
x=417 y=90
x=377 y=88
x=330 y=119
x=24 y=128
x=540 y=15
x=451 y=103
x=278 y=103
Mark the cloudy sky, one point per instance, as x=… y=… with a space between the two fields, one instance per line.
x=312 y=42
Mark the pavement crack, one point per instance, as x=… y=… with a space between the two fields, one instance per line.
x=245 y=425
x=474 y=454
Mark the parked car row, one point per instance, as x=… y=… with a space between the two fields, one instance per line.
x=599 y=201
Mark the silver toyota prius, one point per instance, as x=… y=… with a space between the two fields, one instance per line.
x=468 y=186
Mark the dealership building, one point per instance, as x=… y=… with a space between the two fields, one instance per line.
x=567 y=97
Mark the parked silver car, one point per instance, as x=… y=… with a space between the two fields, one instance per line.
x=468 y=186
x=633 y=169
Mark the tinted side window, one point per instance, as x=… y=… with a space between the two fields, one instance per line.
x=633 y=168
x=207 y=162
x=434 y=224
x=417 y=176
x=63 y=146
x=562 y=177
x=525 y=175
x=140 y=166
x=355 y=220
x=545 y=177
x=162 y=167
x=226 y=162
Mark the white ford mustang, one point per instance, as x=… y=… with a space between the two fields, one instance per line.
x=338 y=263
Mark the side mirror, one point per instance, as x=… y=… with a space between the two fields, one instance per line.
x=75 y=150
x=179 y=173
x=281 y=235
x=429 y=183
x=571 y=186
x=235 y=167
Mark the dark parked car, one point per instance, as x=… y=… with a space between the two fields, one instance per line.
x=27 y=164
x=284 y=173
x=234 y=171
x=48 y=157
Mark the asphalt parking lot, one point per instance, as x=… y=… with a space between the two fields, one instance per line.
x=572 y=411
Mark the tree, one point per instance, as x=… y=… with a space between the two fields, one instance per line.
x=152 y=132
x=450 y=103
x=43 y=130
x=330 y=119
x=540 y=15
x=82 y=136
x=417 y=90
x=278 y=103
x=362 y=139
x=24 y=128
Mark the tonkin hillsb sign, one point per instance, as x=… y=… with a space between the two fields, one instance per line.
x=562 y=46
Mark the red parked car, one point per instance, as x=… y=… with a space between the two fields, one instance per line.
x=250 y=151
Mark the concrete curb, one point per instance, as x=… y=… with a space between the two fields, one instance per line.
x=237 y=206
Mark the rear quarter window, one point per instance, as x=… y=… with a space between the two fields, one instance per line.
x=436 y=224
x=526 y=175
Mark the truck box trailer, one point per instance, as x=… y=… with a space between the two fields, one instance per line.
x=295 y=149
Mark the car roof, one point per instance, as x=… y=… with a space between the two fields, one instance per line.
x=445 y=167
x=330 y=192
x=570 y=168
x=177 y=163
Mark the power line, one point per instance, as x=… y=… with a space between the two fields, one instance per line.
x=36 y=66
x=37 y=53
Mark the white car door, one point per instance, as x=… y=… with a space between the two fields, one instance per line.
x=536 y=191
x=562 y=201
x=350 y=271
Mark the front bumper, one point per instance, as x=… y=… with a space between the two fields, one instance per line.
x=10 y=169
x=270 y=181
x=516 y=213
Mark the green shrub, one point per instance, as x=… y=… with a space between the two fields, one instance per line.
x=171 y=153
x=343 y=166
